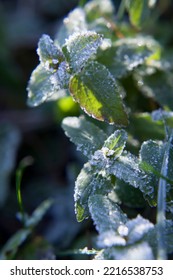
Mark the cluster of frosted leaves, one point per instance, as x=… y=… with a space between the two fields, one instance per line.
x=89 y=139
x=90 y=83
x=143 y=172
x=99 y=94
x=139 y=11
x=127 y=54
x=116 y=232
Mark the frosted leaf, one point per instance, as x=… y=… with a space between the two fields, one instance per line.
x=125 y=167
x=152 y=162
x=132 y=52
x=98 y=8
x=62 y=76
x=115 y=144
x=88 y=183
x=126 y=234
x=137 y=229
x=109 y=239
x=49 y=54
x=141 y=251
x=98 y=94
x=127 y=54
x=84 y=134
x=58 y=95
x=41 y=86
x=107 y=215
x=74 y=22
x=160 y=115
x=80 y=47
x=123 y=230
x=168 y=233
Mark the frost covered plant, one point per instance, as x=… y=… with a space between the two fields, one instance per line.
x=123 y=78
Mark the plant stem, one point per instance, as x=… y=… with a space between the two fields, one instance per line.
x=19 y=173
x=161 y=205
x=18 y=193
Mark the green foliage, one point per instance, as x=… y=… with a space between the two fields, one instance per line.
x=11 y=247
x=9 y=142
x=119 y=76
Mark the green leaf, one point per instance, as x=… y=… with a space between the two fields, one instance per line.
x=139 y=12
x=115 y=143
x=98 y=94
x=44 y=86
x=80 y=47
x=84 y=134
x=106 y=214
x=49 y=54
x=88 y=183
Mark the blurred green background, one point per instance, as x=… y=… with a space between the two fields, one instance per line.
x=34 y=132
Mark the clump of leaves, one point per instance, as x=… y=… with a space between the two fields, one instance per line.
x=121 y=75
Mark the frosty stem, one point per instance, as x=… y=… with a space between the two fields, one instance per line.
x=161 y=205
